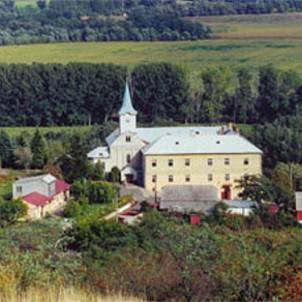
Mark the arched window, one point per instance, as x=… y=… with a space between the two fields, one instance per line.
x=128 y=159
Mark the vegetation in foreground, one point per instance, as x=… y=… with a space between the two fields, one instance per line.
x=228 y=258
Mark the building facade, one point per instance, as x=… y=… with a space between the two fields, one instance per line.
x=43 y=194
x=160 y=156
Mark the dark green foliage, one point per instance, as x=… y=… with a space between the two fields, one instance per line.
x=97 y=236
x=6 y=150
x=76 y=208
x=54 y=94
x=115 y=175
x=95 y=192
x=97 y=172
x=159 y=92
x=74 y=164
x=38 y=150
x=11 y=211
x=257 y=188
x=73 y=94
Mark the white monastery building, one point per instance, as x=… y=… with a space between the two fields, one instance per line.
x=156 y=157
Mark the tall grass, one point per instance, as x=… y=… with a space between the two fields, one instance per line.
x=65 y=295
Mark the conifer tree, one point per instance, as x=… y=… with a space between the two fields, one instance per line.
x=6 y=150
x=37 y=146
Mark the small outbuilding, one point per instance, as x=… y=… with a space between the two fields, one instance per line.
x=43 y=194
x=188 y=198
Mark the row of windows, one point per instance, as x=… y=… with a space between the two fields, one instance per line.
x=187 y=162
x=227 y=177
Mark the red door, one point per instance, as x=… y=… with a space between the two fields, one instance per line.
x=226 y=193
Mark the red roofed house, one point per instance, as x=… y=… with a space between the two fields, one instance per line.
x=43 y=194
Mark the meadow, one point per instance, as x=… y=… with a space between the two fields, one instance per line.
x=250 y=41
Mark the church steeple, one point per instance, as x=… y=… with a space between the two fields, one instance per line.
x=127 y=113
x=127 y=107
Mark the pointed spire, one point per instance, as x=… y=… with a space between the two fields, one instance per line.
x=127 y=106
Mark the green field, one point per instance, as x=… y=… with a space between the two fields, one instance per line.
x=24 y=3
x=239 y=41
x=14 y=131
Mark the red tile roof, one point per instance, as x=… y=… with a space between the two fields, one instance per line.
x=37 y=199
x=61 y=186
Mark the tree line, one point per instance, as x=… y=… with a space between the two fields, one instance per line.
x=82 y=94
x=63 y=21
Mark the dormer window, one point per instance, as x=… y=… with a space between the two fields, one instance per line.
x=128 y=139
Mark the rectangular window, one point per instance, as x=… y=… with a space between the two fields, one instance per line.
x=226 y=161
x=210 y=161
x=154 y=178
x=170 y=163
x=154 y=163
x=19 y=189
x=171 y=178
x=187 y=162
x=188 y=178
x=227 y=177
x=128 y=139
x=246 y=162
x=210 y=177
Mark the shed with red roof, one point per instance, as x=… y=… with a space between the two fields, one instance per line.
x=43 y=194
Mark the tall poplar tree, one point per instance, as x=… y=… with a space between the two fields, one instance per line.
x=38 y=150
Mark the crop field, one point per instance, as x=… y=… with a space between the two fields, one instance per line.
x=253 y=27
x=250 y=41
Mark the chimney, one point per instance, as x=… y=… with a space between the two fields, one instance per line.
x=230 y=126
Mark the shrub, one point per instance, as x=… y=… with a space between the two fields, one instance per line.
x=11 y=211
x=115 y=175
x=95 y=192
x=75 y=208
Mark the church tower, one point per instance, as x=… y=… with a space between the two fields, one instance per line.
x=127 y=113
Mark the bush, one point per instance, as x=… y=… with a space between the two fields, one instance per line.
x=115 y=175
x=11 y=211
x=95 y=192
x=76 y=208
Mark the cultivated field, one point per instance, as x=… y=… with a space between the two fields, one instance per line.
x=250 y=27
x=239 y=41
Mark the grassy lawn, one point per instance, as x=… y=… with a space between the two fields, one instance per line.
x=13 y=131
x=239 y=41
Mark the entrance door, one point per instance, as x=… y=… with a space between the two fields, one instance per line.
x=129 y=178
x=226 y=193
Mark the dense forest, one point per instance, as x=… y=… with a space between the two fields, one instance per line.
x=82 y=94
